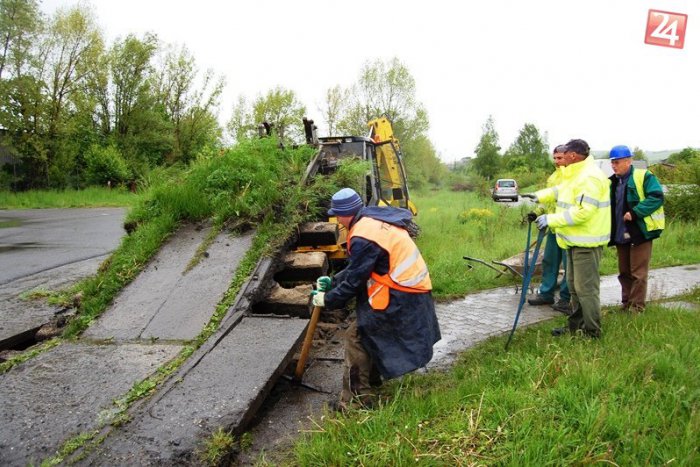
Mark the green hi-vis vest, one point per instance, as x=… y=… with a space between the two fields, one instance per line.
x=657 y=220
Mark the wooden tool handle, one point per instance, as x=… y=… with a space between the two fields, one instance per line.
x=301 y=364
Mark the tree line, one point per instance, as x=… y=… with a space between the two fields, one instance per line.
x=76 y=111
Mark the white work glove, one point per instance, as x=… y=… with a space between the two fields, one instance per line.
x=318 y=298
x=542 y=222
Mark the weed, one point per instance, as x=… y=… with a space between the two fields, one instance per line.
x=216 y=447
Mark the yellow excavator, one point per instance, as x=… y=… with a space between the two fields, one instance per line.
x=386 y=182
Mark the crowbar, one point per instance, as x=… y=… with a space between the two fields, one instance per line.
x=306 y=346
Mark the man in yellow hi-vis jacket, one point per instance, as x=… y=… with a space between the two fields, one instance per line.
x=582 y=226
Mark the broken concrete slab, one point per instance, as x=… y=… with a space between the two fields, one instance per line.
x=317 y=233
x=60 y=393
x=306 y=267
x=168 y=302
x=21 y=317
x=224 y=389
x=280 y=301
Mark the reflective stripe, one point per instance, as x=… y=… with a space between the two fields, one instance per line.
x=407 y=263
x=595 y=202
x=414 y=281
x=567 y=217
x=563 y=205
x=555 y=190
x=658 y=217
x=584 y=238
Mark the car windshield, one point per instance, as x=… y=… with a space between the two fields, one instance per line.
x=507 y=183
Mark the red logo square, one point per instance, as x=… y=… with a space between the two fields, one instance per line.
x=666 y=29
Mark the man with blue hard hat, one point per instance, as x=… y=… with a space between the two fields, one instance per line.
x=637 y=219
x=396 y=323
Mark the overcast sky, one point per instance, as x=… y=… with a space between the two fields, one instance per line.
x=576 y=69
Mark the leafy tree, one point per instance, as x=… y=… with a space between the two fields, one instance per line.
x=279 y=107
x=487 y=160
x=638 y=154
x=191 y=111
x=19 y=24
x=529 y=151
x=686 y=155
x=334 y=105
x=385 y=88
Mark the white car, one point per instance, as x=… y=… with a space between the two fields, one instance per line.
x=505 y=188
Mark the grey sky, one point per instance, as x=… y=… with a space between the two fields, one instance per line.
x=576 y=69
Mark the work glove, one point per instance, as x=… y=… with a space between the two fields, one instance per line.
x=531 y=216
x=542 y=222
x=318 y=298
x=323 y=284
x=532 y=196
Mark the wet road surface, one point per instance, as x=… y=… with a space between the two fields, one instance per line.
x=36 y=240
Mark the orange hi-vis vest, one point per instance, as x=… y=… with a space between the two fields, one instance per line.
x=407 y=269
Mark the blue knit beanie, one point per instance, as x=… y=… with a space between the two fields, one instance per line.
x=345 y=202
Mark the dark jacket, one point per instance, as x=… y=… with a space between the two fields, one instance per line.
x=400 y=339
x=654 y=199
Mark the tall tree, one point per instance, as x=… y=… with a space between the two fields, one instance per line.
x=638 y=154
x=19 y=24
x=191 y=110
x=385 y=88
x=336 y=100
x=279 y=107
x=529 y=150
x=487 y=158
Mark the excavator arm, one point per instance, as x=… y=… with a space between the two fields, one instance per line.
x=389 y=176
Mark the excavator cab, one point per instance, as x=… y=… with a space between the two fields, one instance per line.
x=386 y=183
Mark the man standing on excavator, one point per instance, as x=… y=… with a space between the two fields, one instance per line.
x=396 y=323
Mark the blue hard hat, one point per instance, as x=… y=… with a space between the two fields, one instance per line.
x=345 y=202
x=620 y=152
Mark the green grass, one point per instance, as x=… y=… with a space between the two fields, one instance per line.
x=631 y=398
x=89 y=197
x=449 y=231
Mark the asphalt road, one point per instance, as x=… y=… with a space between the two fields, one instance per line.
x=37 y=240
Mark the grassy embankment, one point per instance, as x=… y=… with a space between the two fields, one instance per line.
x=631 y=398
x=89 y=197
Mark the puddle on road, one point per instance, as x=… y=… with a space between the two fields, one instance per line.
x=19 y=246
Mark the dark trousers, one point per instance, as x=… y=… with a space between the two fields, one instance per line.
x=551 y=259
x=359 y=371
x=583 y=276
x=633 y=265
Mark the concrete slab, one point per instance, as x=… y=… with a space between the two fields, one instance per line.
x=20 y=317
x=168 y=302
x=224 y=389
x=60 y=393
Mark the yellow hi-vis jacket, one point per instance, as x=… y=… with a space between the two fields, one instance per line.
x=553 y=180
x=407 y=269
x=582 y=216
x=656 y=220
